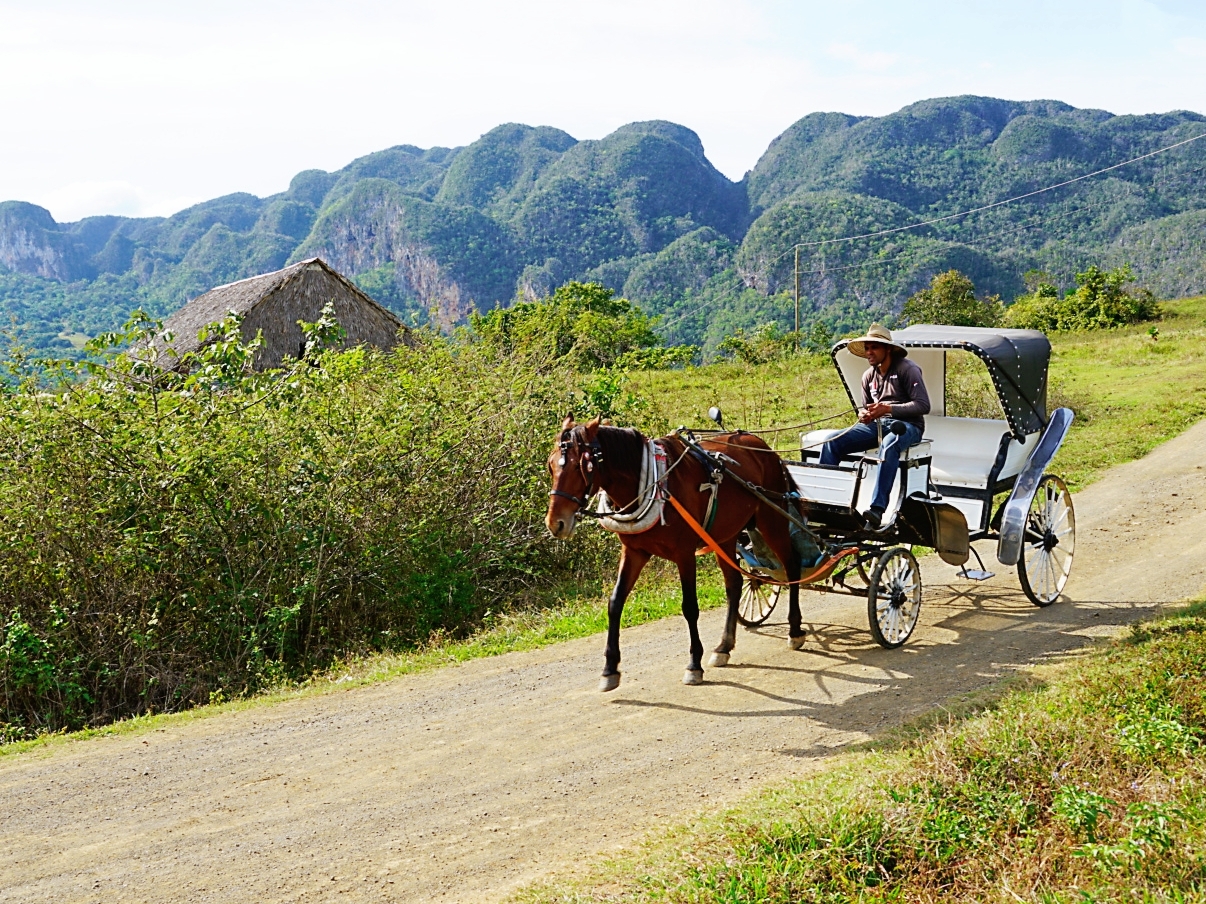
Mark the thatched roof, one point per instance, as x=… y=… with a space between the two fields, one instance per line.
x=274 y=302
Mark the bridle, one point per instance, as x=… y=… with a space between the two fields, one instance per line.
x=590 y=455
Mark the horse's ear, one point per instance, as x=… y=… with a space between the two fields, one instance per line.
x=593 y=427
x=568 y=423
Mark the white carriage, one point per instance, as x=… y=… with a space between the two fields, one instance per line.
x=970 y=478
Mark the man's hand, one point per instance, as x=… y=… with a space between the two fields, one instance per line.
x=875 y=411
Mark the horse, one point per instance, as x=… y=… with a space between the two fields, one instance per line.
x=587 y=458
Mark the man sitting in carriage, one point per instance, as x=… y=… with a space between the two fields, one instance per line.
x=892 y=417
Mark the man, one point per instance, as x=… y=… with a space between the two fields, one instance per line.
x=893 y=393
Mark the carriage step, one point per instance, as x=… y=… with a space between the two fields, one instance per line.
x=975 y=574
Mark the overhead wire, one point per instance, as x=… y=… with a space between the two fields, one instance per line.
x=994 y=204
x=1038 y=217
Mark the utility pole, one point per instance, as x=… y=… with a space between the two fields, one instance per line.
x=797 y=299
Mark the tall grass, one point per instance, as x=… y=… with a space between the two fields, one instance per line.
x=170 y=540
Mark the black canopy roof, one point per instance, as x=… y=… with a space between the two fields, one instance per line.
x=1016 y=359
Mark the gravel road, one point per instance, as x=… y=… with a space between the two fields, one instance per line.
x=464 y=783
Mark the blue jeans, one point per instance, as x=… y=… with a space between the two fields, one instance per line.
x=862 y=437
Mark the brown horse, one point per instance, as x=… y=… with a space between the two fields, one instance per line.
x=588 y=457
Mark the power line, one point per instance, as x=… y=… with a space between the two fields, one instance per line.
x=955 y=216
x=740 y=282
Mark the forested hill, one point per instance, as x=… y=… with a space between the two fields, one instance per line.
x=525 y=209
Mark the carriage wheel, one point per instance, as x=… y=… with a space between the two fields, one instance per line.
x=757 y=601
x=894 y=597
x=1050 y=542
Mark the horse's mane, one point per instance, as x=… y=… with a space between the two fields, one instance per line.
x=622 y=447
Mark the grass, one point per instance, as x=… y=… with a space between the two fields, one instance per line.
x=571 y=615
x=1088 y=785
x=1130 y=392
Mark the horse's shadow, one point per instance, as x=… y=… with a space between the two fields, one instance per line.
x=986 y=632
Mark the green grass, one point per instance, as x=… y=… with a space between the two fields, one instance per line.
x=1089 y=784
x=1130 y=392
x=572 y=615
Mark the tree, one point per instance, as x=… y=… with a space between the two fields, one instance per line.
x=583 y=323
x=1102 y=299
x=951 y=300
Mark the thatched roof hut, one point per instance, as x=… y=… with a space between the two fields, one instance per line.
x=274 y=302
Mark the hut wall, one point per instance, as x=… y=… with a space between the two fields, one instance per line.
x=303 y=297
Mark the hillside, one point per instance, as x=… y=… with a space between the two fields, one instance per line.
x=642 y=210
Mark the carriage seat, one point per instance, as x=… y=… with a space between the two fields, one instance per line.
x=965 y=449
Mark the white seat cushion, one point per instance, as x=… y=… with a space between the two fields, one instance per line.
x=965 y=449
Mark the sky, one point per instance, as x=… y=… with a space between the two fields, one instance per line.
x=142 y=108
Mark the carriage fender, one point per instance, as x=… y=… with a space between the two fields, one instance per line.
x=1017 y=506
x=947 y=525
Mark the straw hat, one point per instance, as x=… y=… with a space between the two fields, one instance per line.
x=877 y=333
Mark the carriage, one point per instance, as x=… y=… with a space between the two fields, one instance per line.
x=969 y=479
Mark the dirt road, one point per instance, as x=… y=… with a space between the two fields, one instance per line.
x=462 y=784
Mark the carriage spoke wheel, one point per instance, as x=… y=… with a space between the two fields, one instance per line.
x=1050 y=542
x=894 y=597
x=757 y=602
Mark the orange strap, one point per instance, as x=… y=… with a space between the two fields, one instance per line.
x=819 y=573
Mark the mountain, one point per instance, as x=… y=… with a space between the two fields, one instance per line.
x=524 y=209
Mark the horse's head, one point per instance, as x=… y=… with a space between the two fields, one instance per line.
x=573 y=468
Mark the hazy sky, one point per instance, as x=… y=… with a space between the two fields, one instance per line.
x=145 y=107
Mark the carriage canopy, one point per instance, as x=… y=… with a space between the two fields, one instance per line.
x=1017 y=361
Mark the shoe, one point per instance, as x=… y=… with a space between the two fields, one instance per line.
x=874 y=520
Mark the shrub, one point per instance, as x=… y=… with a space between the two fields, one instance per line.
x=166 y=537
x=767 y=343
x=583 y=325
x=951 y=300
x=1101 y=300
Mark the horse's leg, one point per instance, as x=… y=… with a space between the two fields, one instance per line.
x=631 y=563
x=686 y=575
x=795 y=629
x=732 y=590
x=779 y=540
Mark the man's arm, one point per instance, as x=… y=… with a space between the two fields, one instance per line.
x=864 y=413
x=919 y=397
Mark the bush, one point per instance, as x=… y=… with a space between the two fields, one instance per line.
x=951 y=300
x=767 y=343
x=1101 y=300
x=166 y=537
x=583 y=325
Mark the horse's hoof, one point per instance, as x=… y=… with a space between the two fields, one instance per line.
x=718 y=660
x=797 y=643
x=609 y=682
x=692 y=677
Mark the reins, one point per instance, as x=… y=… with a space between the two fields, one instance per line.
x=812 y=576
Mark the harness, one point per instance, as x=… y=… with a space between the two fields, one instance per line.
x=651 y=496
x=590 y=455
x=715 y=467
